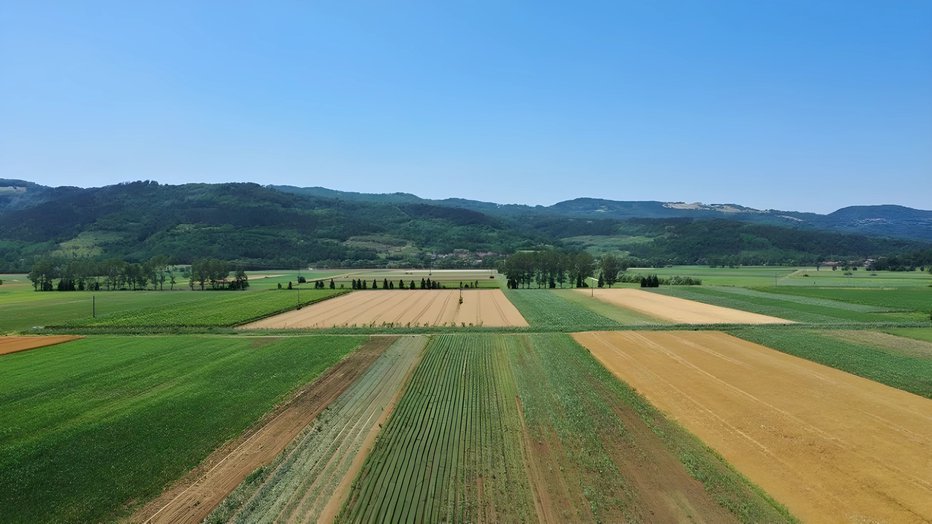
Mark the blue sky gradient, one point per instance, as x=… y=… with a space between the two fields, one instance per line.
x=797 y=105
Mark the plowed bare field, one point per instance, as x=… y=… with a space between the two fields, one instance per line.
x=480 y=307
x=678 y=310
x=194 y=497
x=14 y=344
x=831 y=446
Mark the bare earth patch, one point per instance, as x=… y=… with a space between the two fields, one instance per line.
x=16 y=344
x=679 y=310
x=831 y=446
x=480 y=307
x=193 y=498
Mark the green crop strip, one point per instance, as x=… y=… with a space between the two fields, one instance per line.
x=90 y=425
x=909 y=373
x=451 y=451
x=227 y=308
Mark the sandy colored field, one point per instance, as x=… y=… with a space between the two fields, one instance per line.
x=195 y=496
x=485 y=307
x=831 y=446
x=15 y=344
x=678 y=310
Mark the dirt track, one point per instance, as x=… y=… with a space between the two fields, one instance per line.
x=192 y=499
x=679 y=310
x=16 y=344
x=831 y=446
x=486 y=307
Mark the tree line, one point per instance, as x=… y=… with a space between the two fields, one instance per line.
x=548 y=268
x=86 y=274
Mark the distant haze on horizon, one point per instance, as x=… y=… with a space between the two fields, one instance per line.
x=798 y=106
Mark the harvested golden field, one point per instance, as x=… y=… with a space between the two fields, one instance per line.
x=401 y=308
x=678 y=310
x=831 y=446
x=15 y=344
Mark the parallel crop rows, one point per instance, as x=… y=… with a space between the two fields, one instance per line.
x=452 y=449
x=300 y=487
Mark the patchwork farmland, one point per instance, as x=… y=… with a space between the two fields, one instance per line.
x=518 y=405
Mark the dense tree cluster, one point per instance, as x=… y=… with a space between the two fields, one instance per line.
x=216 y=274
x=548 y=268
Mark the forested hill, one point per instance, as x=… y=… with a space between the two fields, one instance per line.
x=267 y=226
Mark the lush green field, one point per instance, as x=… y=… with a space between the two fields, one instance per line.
x=21 y=308
x=224 y=308
x=791 y=307
x=561 y=311
x=90 y=426
x=869 y=360
x=918 y=299
x=924 y=334
x=452 y=449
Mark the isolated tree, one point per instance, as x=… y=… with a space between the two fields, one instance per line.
x=332 y=285
x=610 y=266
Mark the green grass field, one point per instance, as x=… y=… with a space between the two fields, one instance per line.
x=869 y=360
x=924 y=334
x=771 y=276
x=92 y=425
x=916 y=299
x=799 y=308
x=567 y=310
x=224 y=308
x=22 y=309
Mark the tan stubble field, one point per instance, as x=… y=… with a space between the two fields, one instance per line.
x=480 y=307
x=831 y=446
x=678 y=310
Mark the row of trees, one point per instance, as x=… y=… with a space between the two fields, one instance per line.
x=87 y=274
x=80 y=274
x=426 y=283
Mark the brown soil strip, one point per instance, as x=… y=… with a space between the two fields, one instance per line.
x=195 y=496
x=342 y=491
x=893 y=343
x=16 y=344
x=542 y=502
x=480 y=307
x=831 y=446
x=679 y=310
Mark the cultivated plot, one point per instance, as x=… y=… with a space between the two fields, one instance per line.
x=192 y=500
x=310 y=481
x=679 y=310
x=403 y=308
x=829 y=445
x=17 y=344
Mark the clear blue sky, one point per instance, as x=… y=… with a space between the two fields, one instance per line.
x=803 y=105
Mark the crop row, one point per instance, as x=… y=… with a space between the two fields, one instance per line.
x=452 y=449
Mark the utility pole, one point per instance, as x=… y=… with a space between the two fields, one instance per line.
x=94 y=306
